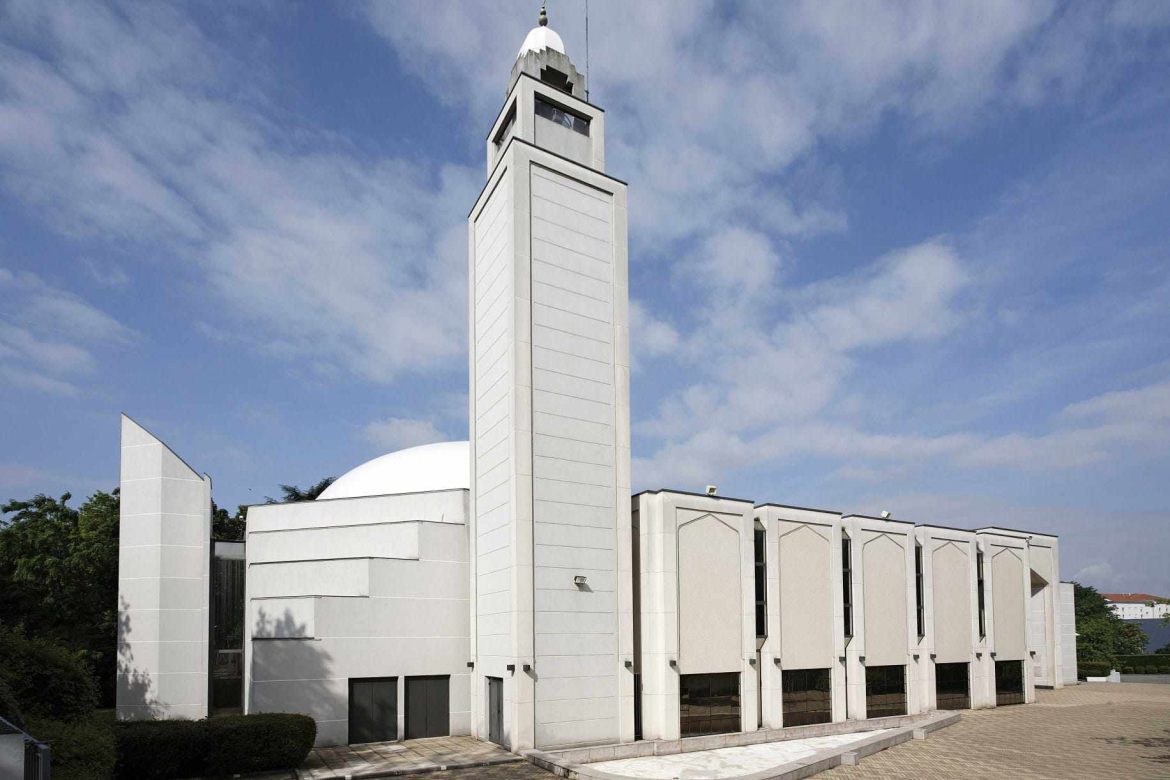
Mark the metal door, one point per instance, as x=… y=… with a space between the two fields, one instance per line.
x=496 y=710
x=373 y=710
x=428 y=707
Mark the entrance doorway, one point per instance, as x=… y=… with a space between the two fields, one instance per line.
x=428 y=706
x=952 y=686
x=1009 y=682
x=373 y=710
x=496 y=710
x=708 y=704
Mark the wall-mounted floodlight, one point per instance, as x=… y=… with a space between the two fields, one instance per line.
x=674 y=663
x=511 y=668
x=712 y=490
x=580 y=579
x=777 y=661
x=528 y=667
x=885 y=514
x=629 y=664
x=471 y=664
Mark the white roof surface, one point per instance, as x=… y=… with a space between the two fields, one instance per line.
x=541 y=38
x=442 y=466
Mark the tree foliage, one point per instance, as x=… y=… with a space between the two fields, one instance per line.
x=226 y=528
x=292 y=493
x=59 y=575
x=1101 y=635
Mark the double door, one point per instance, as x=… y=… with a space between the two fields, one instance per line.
x=428 y=706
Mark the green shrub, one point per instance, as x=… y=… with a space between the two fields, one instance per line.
x=234 y=744
x=1126 y=669
x=1093 y=669
x=1164 y=670
x=83 y=749
x=157 y=749
x=46 y=680
x=257 y=743
x=1143 y=664
x=9 y=707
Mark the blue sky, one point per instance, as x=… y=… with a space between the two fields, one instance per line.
x=908 y=257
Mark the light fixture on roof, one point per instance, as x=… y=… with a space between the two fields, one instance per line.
x=712 y=490
x=885 y=514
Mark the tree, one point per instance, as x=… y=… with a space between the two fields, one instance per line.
x=1101 y=635
x=226 y=528
x=292 y=493
x=59 y=575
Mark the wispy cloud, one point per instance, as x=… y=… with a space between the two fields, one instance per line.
x=48 y=336
x=120 y=124
x=396 y=433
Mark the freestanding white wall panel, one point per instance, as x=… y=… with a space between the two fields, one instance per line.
x=164 y=556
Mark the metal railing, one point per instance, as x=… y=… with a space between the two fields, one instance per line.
x=37 y=755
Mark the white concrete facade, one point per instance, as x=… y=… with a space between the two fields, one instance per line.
x=549 y=419
x=695 y=601
x=805 y=615
x=164 y=553
x=355 y=589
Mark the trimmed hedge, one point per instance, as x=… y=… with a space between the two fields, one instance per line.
x=46 y=680
x=233 y=744
x=83 y=749
x=1146 y=664
x=1093 y=669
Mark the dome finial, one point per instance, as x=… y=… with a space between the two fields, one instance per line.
x=543 y=16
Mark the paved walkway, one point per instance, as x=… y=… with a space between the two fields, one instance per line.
x=411 y=756
x=731 y=761
x=1093 y=730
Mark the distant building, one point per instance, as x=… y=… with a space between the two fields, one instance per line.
x=1137 y=606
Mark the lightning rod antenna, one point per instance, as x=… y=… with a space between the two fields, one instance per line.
x=587 y=81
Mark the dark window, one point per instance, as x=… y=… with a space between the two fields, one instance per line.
x=428 y=707
x=847 y=584
x=918 y=592
x=885 y=691
x=373 y=710
x=761 y=584
x=555 y=78
x=506 y=128
x=979 y=591
x=952 y=687
x=560 y=116
x=807 y=697
x=708 y=704
x=1009 y=682
x=227 y=629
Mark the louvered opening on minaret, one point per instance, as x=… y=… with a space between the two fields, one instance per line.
x=556 y=78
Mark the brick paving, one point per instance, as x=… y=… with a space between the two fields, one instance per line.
x=1093 y=730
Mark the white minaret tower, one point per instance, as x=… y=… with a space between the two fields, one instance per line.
x=551 y=607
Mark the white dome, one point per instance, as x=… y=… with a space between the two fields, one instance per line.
x=541 y=38
x=442 y=466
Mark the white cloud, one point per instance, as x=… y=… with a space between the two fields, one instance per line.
x=119 y=125
x=396 y=433
x=48 y=336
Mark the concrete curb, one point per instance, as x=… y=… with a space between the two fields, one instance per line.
x=575 y=764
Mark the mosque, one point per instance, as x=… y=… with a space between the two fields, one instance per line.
x=511 y=587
